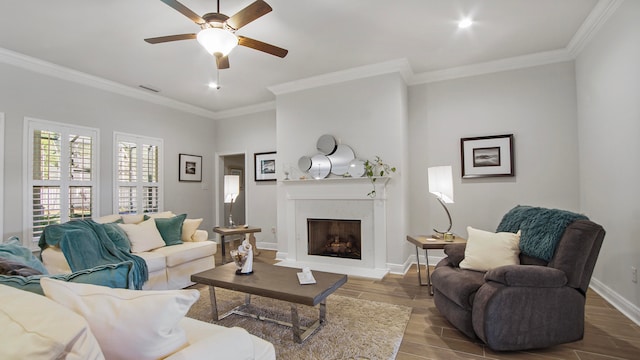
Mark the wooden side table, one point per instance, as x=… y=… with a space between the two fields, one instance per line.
x=224 y=231
x=426 y=243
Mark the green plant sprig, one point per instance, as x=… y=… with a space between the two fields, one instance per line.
x=374 y=169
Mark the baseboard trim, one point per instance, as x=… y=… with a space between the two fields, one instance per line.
x=623 y=305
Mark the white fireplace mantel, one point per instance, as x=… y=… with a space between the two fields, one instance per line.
x=337 y=198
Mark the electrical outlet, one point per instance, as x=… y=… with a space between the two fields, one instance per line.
x=634 y=274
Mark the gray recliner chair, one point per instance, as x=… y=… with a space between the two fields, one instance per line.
x=532 y=305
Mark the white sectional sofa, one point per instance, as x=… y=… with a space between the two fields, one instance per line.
x=170 y=267
x=86 y=322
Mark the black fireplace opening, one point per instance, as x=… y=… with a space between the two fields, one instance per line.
x=335 y=238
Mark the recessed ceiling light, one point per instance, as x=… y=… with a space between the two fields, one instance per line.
x=465 y=23
x=214 y=86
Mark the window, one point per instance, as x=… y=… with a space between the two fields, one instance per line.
x=62 y=175
x=138 y=166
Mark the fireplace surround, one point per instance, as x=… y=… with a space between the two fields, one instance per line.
x=342 y=199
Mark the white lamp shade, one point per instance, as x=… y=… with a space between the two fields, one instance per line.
x=441 y=182
x=216 y=40
x=231 y=188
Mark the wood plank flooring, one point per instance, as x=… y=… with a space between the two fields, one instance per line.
x=608 y=334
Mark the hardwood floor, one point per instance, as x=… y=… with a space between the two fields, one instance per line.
x=608 y=333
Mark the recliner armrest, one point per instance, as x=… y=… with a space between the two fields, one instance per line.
x=527 y=275
x=455 y=253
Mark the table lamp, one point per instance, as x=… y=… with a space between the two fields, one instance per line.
x=231 y=191
x=441 y=185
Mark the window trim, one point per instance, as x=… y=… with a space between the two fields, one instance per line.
x=32 y=124
x=140 y=140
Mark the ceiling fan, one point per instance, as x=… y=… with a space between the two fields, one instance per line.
x=217 y=34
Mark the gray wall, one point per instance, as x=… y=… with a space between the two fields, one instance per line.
x=250 y=134
x=30 y=94
x=608 y=88
x=537 y=105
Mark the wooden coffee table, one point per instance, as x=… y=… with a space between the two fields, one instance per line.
x=275 y=282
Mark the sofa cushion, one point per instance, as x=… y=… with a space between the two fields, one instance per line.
x=111 y=275
x=129 y=324
x=160 y=215
x=185 y=252
x=171 y=229
x=487 y=250
x=109 y=219
x=31 y=329
x=189 y=228
x=458 y=285
x=156 y=261
x=144 y=236
x=132 y=218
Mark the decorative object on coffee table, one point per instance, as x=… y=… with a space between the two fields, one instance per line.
x=238 y=230
x=243 y=257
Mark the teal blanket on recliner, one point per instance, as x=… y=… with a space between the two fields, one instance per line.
x=541 y=228
x=85 y=244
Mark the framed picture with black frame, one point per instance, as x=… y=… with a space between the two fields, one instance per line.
x=190 y=168
x=487 y=156
x=265 y=166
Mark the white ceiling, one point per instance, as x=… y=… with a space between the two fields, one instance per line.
x=105 y=39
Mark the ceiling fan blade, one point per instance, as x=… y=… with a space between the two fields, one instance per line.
x=163 y=39
x=262 y=46
x=248 y=14
x=185 y=11
x=222 y=62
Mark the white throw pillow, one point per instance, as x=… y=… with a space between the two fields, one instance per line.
x=144 y=236
x=162 y=215
x=36 y=328
x=129 y=324
x=133 y=219
x=189 y=227
x=487 y=250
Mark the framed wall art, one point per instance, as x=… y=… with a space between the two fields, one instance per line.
x=190 y=168
x=487 y=156
x=265 y=166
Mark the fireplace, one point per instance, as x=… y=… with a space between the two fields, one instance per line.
x=343 y=200
x=334 y=237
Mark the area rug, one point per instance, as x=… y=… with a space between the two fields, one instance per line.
x=354 y=329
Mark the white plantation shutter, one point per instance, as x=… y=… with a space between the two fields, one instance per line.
x=137 y=174
x=61 y=175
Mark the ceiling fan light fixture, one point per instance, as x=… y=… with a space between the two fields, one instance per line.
x=216 y=40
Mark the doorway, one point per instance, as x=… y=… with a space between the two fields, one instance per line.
x=233 y=164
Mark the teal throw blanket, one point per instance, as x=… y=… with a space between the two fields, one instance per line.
x=85 y=244
x=541 y=228
x=14 y=251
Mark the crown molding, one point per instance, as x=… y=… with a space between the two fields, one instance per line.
x=400 y=66
x=591 y=25
x=518 y=62
x=246 y=110
x=44 y=67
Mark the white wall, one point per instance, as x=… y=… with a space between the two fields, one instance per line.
x=29 y=94
x=252 y=134
x=537 y=105
x=608 y=88
x=369 y=115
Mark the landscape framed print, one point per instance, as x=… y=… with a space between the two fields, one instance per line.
x=487 y=156
x=265 y=166
x=190 y=168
